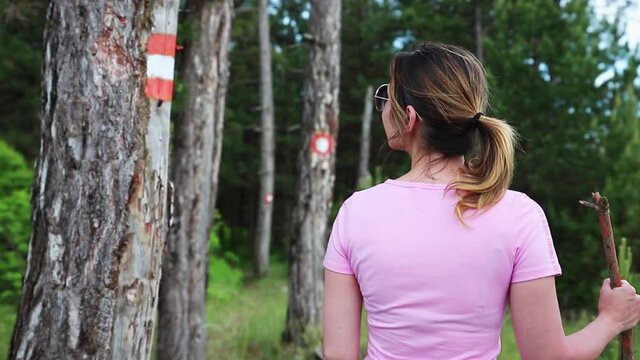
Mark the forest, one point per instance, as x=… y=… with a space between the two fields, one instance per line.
x=171 y=169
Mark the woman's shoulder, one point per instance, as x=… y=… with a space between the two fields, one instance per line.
x=520 y=199
x=364 y=195
x=521 y=206
x=367 y=198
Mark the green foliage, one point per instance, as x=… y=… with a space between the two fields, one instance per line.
x=371 y=180
x=238 y=194
x=249 y=327
x=15 y=173
x=225 y=278
x=225 y=281
x=625 y=259
x=229 y=244
x=621 y=151
x=543 y=58
x=369 y=29
x=15 y=222
x=21 y=28
x=7 y=320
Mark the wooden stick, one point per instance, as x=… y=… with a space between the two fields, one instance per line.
x=601 y=206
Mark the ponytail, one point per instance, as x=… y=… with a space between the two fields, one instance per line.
x=487 y=175
x=447 y=87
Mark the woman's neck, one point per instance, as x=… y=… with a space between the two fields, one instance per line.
x=433 y=168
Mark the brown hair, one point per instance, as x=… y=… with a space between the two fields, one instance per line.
x=447 y=86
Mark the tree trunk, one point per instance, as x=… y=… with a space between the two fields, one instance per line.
x=99 y=197
x=317 y=173
x=477 y=22
x=194 y=171
x=267 y=157
x=364 y=176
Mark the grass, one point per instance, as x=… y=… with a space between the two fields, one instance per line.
x=246 y=320
x=249 y=326
x=7 y=319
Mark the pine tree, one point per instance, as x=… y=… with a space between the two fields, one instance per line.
x=99 y=198
x=195 y=168
x=316 y=173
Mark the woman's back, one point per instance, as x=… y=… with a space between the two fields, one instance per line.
x=430 y=284
x=434 y=276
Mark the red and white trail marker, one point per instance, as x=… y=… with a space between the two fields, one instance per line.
x=268 y=198
x=322 y=144
x=161 y=53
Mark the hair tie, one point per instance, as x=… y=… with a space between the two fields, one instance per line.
x=475 y=120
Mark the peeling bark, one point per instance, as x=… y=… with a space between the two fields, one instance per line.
x=317 y=174
x=195 y=166
x=99 y=195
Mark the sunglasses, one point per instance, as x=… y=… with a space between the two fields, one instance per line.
x=381 y=97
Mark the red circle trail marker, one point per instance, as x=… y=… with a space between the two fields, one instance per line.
x=268 y=198
x=322 y=144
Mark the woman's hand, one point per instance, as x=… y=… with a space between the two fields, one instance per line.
x=538 y=326
x=620 y=305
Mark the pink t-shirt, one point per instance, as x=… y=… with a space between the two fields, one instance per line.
x=433 y=288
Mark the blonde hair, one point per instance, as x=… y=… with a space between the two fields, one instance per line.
x=447 y=86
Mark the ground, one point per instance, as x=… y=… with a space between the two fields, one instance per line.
x=246 y=319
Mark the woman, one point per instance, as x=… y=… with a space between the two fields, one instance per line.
x=437 y=254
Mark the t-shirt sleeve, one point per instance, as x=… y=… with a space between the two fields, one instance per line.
x=337 y=256
x=535 y=256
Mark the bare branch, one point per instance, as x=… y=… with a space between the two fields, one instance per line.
x=601 y=206
x=589 y=205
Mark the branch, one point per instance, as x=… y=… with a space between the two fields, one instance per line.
x=589 y=205
x=601 y=206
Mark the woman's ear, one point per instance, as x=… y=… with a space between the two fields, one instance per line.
x=412 y=119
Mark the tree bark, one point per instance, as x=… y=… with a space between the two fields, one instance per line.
x=194 y=172
x=99 y=196
x=364 y=176
x=317 y=173
x=267 y=157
